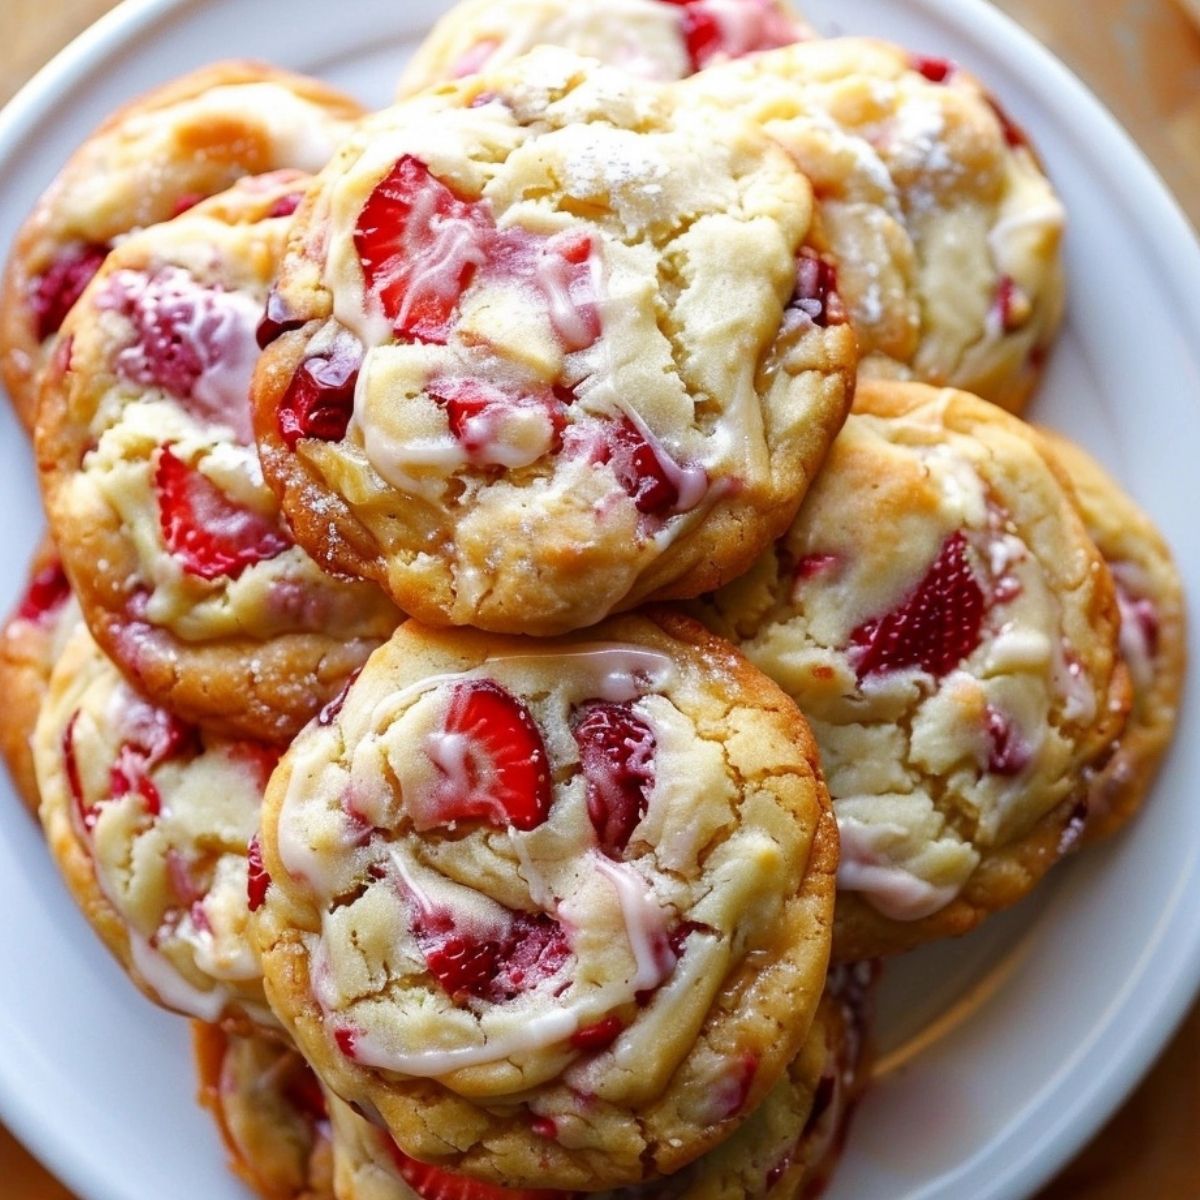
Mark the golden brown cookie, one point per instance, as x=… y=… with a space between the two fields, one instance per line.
x=946 y=230
x=943 y=620
x=146 y=163
x=185 y=568
x=550 y=345
x=555 y=911
x=1153 y=637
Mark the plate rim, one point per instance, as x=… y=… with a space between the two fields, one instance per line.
x=1137 y=185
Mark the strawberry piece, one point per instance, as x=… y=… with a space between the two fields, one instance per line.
x=302 y=1090
x=812 y=565
x=1009 y=753
x=257 y=879
x=535 y=950
x=48 y=591
x=86 y=813
x=936 y=70
x=544 y=1127
x=277 y=320
x=657 y=484
x=493 y=760
x=935 y=628
x=591 y=1039
x=319 y=401
x=755 y=26
x=433 y=1183
x=1014 y=136
x=330 y=712
x=210 y=535
x=493 y=426
x=701 y=35
x=729 y=1096
x=285 y=206
x=816 y=292
x=563 y=272
x=152 y=736
x=420 y=244
x=345 y=1038
x=616 y=752
x=53 y=294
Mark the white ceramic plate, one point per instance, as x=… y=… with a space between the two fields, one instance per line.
x=1002 y=1052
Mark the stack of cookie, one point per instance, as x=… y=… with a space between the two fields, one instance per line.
x=534 y=609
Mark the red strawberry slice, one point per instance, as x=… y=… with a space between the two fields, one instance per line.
x=53 y=294
x=816 y=292
x=87 y=813
x=616 y=751
x=536 y=950
x=48 y=591
x=210 y=535
x=420 y=244
x=433 y=1183
x=257 y=879
x=152 y=736
x=935 y=628
x=492 y=759
x=755 y=26
x=936 y=70
x=599 y=1036
x=277 y=320
x=1014 y=135
x=658 y=485
x=319 y=401
x=483 y=419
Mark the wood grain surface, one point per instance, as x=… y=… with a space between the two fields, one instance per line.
x=1143 y=58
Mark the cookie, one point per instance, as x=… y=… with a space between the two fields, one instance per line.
x=150 y=822
x=1153 y=638
x=186 y=571
x=30 y=644
x=946 y=230
x=271 y=1113
x=784 y=1150
x=943 y=620
x=147 y=163
x=550 y=345
x=652 y=39
x=557 y=913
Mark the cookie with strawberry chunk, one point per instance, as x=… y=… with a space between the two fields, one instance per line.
x=1153 y=638
x=186 y=570
x=785 y=1150
x=943 y=620
x=549 y=345
x=652 y=39
x=556 y=912
x=945 y=228
x=146 y=163
x=271 y=1112
x=151 y=822
x=30 y=644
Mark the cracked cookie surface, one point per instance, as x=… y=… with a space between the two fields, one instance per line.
x=556 y=912
x=943 y=620
x=271 y=1113
x=146 y=163
x=550 y=345
x=30 y=644
x=150 y=822
x=1153 y=641
x=186 y=571
x=652 y=39
x=945 y=228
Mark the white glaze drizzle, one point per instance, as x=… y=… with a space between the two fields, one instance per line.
x=645 y=923
x=888 y=888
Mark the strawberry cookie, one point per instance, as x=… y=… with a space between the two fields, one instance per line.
x=1153 y=638
x=147 y=163
x=942 y=618
x=271 y=1113
x=150 y=821
x=547 y=346
x=554 y=913
x=653 y=39
x=946 y=231
x=30 y=644
x=786 y=1150
x=187 y=573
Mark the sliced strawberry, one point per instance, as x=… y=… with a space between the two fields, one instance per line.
x=330 y=712
x=544 y=1127
x=616 y=752
x=285 y=206
x=319 y=401
x=48 y=591
x=302 y=1090
x=935 y=628
x=658 y=485
x=591 y=1039
x=499 y=428
x=936 y=70
x=536 y=950
x=813 y=565
x=701 y=34
x=87 y=813
x=1014 y=135
x=257 y=879
x=492 y=759
x=714 y=31
x=152 y=736
x=277 y=320
x=433 y=1183
x=420 y=244
x=208 y=533
x=729 y=1096
x=816 y=292
x=53 y=294
x=128 y=774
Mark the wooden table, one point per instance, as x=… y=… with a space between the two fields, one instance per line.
x=1143 y=58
